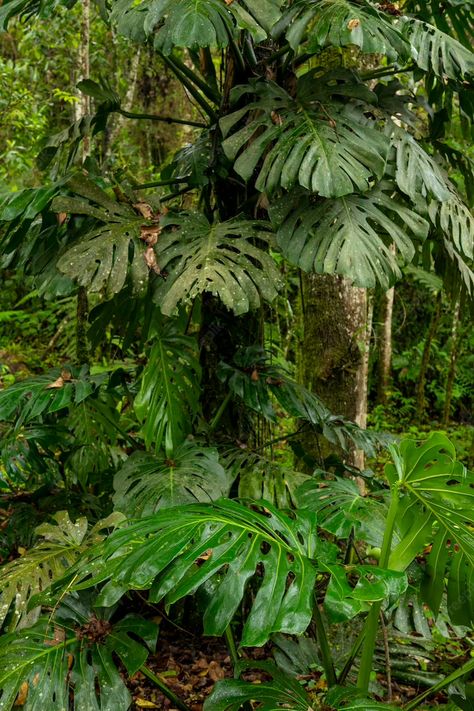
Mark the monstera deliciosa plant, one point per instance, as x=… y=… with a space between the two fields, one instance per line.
x=318 y=138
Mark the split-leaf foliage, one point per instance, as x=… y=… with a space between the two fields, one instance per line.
x=322 y=145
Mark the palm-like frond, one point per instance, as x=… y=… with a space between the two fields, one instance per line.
x=177 y=550
x=222 y=259
x=329 y=148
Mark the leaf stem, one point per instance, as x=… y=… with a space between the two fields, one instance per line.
x=371 y=623
x=465 y=669
x=234 y=654
x=352 y=657
x=164 y=689
x=326 y=656
x=217 y=417
x=159 y=183
x=164 y=119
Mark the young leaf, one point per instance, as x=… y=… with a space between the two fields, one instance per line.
x=147 y=483
x=221 y=259
x=351 y=235
x=178 y=549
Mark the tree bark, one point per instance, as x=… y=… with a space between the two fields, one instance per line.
x=385 y=348
x=84 y=106
x=335 y=349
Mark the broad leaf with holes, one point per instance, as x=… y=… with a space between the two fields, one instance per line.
x=341 y=23
x=168 y=399
x=227 y=259
x=436 y=51
x=174 y=552
x=147 y=483
x=193 y=23
x=351 y=235
x=417 y=173
x=70 y=661
x=328 y=148
x=32 y=573
x=111 y=249
x=435 y=508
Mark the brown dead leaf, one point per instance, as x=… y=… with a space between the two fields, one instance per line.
x=204 y=556
x=150 y=260
x=276 y=118
x=150 y=233
x=216 y=672
x=144 y=209
x=22 y=694
x=353 y=24
x=145 y=704
x=255 y=376
x=61 y=217
x=59 y=382
x=228 y=2
x=36 y=679
x=58 y=638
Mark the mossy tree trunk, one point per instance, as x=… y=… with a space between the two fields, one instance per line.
x=334 y=352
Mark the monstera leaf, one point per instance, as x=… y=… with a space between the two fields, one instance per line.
x=455 y=221
x=178 y=549
x=30 y=398
x=168 y=399
x=193 y=23
x=147 y=483
x=221 y=258
x=436 y=51
x=351 y=235
x=341 y=23
x=417 y=173
x=71 y=661
x=101 y=259
x=330 y=149
x=34 y=572
x=452 y=15
x=435 y=508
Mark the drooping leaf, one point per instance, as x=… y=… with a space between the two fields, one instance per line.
x=193 y=23
x=351 y=235
x=455 y=222
x=436 y=509
x=436 y=51
x=147 y=483
x=330 y=149
x=71 y=664
x=178 y=549
x=221 y=259
x=417 y=173
x=34 y=572
x=451 y=16
x=112 y=249
x=341 y=23
x=168 y=399
x=350 y=699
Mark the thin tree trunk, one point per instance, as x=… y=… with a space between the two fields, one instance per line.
x=334 y=353
x=425 y=359
x=452 y=364
x=129 y=96
x=385 y=348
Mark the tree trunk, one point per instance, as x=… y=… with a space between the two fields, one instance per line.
x=334 y=354
x=425 y=359
x=385 y=348
x=452 y=364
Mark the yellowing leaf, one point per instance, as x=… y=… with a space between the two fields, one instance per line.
x=145 y=704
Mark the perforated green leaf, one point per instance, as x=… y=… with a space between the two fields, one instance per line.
x=109 y=252
x=168 y=398
x=456 y=222
x=147 y=483
x=222 y=259
x=178 y=549
x=330 y=149
x=436 y=51
x=436 y=508
x=341 y=23
x=417 y=173
x=193 y=23
x=350 y=236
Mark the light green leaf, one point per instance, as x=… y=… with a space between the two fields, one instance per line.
x=147 y=483
x=221 y=259
x=350 y=236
